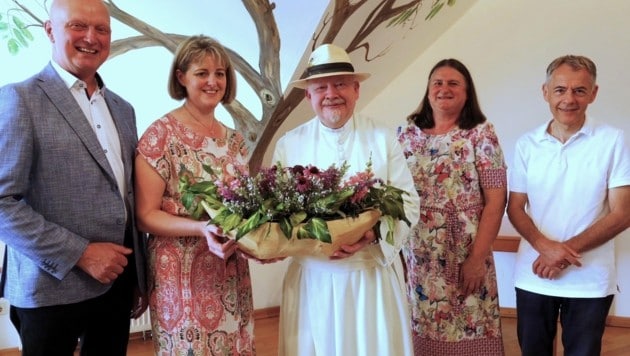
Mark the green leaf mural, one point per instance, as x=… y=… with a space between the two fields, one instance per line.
x=15 y=32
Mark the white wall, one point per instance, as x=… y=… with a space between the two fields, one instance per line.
x=140 y=77
x=507 y=46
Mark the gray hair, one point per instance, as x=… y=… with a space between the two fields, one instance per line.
x=575 y=62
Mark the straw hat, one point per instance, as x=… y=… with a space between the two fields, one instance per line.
x=325 y=61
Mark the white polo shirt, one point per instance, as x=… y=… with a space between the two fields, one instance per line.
x=567 y=186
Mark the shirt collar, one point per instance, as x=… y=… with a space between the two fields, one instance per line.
x=348 y=126
x=71 y=81
x=541 y=133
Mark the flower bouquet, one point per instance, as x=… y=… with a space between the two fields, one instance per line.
x=292 y=211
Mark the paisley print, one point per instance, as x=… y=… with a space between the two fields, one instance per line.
x=199 y=303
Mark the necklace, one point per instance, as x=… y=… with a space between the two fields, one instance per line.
x=210 y=129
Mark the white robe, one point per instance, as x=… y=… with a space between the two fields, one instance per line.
x=357 y=305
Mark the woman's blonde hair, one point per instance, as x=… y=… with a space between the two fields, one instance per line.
x=193 y=50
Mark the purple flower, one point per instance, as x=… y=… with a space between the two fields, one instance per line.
x=278 y=193
x=303 y=184
x=297 y=170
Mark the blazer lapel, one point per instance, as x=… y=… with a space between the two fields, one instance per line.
x=60 y=96
x=128 y=136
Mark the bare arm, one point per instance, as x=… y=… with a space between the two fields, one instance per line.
x=152 y=219
x=474 y=267
x=609 y=226
x=553 y=254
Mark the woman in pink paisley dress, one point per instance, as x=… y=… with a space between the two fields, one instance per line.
x=200 y=294
x=460 y=174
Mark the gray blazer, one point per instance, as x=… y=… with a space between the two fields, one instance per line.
x=58 y=192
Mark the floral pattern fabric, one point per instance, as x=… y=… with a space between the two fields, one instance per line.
x=199 y=303
x=450 y=171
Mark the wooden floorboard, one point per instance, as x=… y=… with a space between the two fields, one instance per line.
x=616 y=340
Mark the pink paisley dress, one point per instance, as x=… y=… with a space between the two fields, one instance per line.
x=449 y=172
x=199 y=303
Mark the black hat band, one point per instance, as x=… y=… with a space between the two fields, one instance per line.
x=327 y=68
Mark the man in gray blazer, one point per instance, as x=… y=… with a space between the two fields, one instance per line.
x=73 y=257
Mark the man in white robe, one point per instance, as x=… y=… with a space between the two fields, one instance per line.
x=352 y=303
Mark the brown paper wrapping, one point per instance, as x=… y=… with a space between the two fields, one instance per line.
x=268 y=241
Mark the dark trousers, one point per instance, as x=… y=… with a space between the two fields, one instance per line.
x=101 y=324
x=583 y=321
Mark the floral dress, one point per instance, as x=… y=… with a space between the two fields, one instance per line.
x=449 y=172
x=199 y=303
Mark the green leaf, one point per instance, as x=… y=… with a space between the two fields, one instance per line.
x=13 y=46
x=392 y=203
x=17 y=22
x=233 y=220
x=286 y=227
x=203 y=187
x=297 y=218
x=27 y=34
x=18 y=34
x=391 y=226
x=450 y=2
x=333 y=202
x=188 y=200
x=434 y=10
x=4 y=26
x=184 y=182
x=392 y=207
x=250 y=224
x=317 y=228
x=404 y=16
x=303 y=233
x=212 y=202
x=219 y=218
x=198 y=212
x=208 y=169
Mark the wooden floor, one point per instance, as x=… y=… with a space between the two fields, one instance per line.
x=616 y=340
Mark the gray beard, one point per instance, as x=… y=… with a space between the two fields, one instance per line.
x=333 y=116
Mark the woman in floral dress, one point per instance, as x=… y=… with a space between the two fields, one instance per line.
x=200 y=294
x=459 y=171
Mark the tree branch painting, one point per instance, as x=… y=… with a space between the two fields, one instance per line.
x=264 y=77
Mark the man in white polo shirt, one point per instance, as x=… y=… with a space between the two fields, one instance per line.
x=569 y=197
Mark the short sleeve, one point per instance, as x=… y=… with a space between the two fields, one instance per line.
x=152 y=147
x=489 y=159
x=620 y=171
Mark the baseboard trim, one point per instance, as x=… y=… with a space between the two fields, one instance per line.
x=616 y=321
x=506 y=243
x=264 y=313
x=508 y=313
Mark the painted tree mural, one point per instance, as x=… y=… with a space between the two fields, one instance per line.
x=17 y=20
